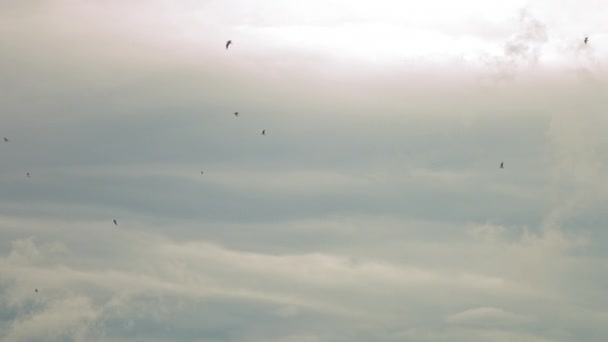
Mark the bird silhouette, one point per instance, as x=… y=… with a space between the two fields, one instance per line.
x=228 y=44
x=263 y=132
x=236 y=113
x=201 y=172
x=115 y=223
x=586 y=39
x=5 y=139
x=502 y=165
x=36 y=290
x=28 y=174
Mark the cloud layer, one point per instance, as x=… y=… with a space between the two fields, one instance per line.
x=373 y=209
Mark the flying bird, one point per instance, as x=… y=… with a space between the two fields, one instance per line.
x=28 y=174
x=228 y=44
x=586 y=39
x=115 y=223
x=236 y=113
x=502 y=165
x=263 y=132
x=201 y=172
x=5 y=139
x=36 y=290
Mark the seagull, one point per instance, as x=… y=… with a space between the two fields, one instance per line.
x=28 y=174
x=502 y=165
x=586 y=39
x=236 y=113
x=263 y=132
x=115 y=223
x=36 y=290
x=201 y=172
x=228 y=44
x=5 y=139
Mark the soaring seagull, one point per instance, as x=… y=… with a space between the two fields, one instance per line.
x=263 y=132
x=586 y=39
x=502 y=165
x=236 y=113
x=36 y=290
x=201 y=172
x=28 y=175
x=5 y=139
x=115 y=223
x=228 y=44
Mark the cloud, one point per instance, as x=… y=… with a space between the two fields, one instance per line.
x=62 y=319
x=486 y=317
x=373 y=210
x=523 y=48
x=164 y=276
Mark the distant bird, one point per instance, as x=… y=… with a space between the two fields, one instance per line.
x=502 y=165
x=228 y=44
x=36 y=290
x=115 y=223
x=201 y=172
x=5 y=139
x=28 y=174
x=263 y=132
x=586 y=39
x=236 y=113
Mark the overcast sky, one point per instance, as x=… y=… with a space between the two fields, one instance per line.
x=373 y=209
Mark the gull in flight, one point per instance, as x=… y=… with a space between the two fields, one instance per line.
x=5 y=139
x=263 y=132
x=502 y=165
x=236 y=113
x=115 y=223
x=28 y=175
x=586 y=39
x=228 y=44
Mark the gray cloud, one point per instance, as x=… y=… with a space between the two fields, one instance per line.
x=373 y=209
x=522 y=49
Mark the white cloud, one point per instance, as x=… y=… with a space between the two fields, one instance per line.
x=66 y=318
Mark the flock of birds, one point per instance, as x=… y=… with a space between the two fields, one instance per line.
x=228 y=43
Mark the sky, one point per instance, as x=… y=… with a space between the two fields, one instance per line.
x=373 y=209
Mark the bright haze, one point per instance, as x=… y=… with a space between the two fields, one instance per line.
x=374 y=208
